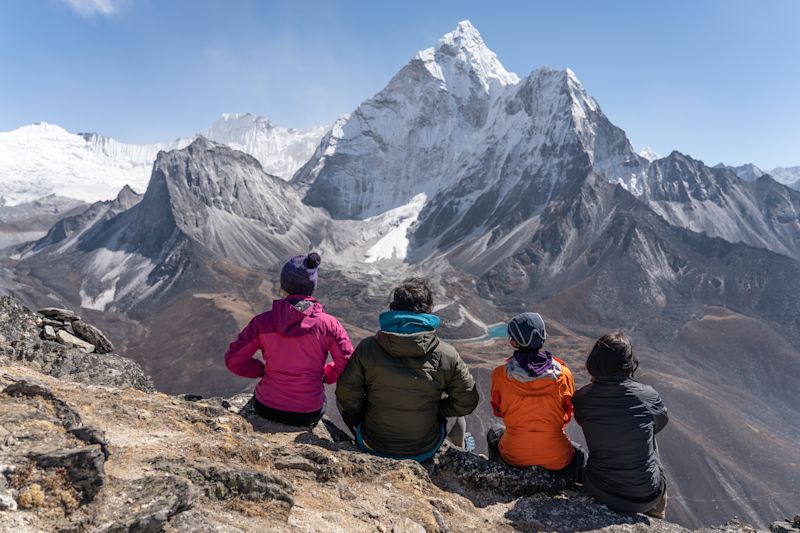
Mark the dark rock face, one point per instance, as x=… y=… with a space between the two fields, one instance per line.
x=762 y=213
x=143 y=505
x=84 y=466
x=577 y=512
x=470 y=474
x=217 y=197
x=97 y=213
x=221 y=482
x=93 y=335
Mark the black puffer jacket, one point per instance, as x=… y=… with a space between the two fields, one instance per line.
x=620 y=418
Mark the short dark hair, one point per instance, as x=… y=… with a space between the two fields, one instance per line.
x=612 y=356
x=413 y=294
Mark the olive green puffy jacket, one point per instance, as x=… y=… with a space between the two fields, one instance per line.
x=400 y=386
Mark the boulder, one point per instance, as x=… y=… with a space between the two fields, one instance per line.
x=85 y=467
x=57 y=313
x=68 y=339
x=91 y=435
x=143 y=505
x=49 y=332
x=93 y=335
x=786 y=526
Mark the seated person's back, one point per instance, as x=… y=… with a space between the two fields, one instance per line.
x=404 y=381
x=620 y=417
x=532 y=393
x=294 y=338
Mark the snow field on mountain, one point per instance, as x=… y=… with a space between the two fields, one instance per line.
x=394 y=245
x=43 y=159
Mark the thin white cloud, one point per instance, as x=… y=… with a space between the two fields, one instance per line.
x=88 y=8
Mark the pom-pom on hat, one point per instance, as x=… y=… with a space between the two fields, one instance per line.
x=528 y=330
x=299 y=274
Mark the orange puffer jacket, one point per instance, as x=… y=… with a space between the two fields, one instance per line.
x=535 y=412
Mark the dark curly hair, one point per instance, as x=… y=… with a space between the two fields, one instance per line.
x=612 y=356
x=413 y=294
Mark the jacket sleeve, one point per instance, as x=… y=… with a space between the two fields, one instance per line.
x=567 y=394
x=578 y=402
x=239 y=357
x=351 y=389
x=496 y=400
x=462 y=396
x=659 y=412
x=341 y=349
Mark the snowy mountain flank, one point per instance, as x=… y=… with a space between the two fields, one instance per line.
x=44 y=159
x=281 y=151
x=490 y=150
x=509 y=192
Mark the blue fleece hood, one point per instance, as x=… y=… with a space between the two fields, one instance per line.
x=406 y=322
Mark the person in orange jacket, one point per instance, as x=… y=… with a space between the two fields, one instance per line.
x=532 y=393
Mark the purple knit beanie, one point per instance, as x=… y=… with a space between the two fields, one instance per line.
x=299 y=274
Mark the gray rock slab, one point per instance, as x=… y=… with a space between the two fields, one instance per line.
x=59 y=314
x=93 y=335
x=68 y=339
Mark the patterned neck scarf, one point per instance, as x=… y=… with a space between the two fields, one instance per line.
x=535 y=362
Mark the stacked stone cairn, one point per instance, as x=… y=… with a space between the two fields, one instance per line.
x=67 y=328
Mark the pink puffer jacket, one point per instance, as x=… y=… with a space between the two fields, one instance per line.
x=295 y=346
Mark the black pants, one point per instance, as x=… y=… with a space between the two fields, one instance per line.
x=574 y=468
x=288 y=418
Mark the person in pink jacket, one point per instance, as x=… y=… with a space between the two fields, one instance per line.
x=295 y=338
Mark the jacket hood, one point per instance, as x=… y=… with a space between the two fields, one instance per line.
x=407 y=322
x=408 y=345
x=296 y=315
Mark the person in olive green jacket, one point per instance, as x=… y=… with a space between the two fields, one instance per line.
x=402 y=384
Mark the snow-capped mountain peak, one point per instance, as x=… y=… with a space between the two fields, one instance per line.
x=464 y=47
x=649 y=154
x=281 y=151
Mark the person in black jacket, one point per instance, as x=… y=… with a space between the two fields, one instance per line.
x=620 y=418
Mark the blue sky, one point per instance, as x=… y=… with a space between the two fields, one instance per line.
x=716 y=79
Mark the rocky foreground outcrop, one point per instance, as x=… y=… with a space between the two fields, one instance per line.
x=85 y=445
